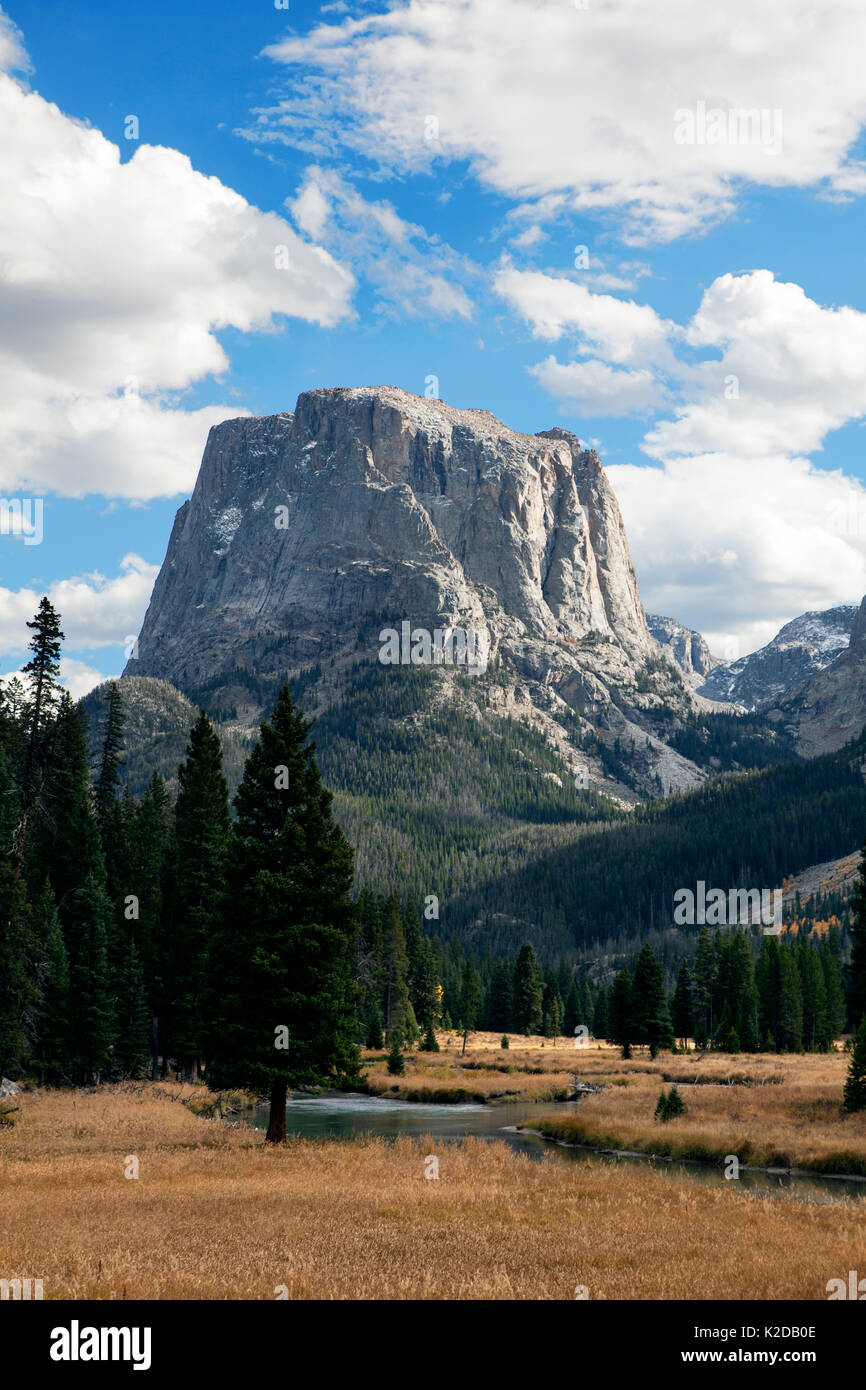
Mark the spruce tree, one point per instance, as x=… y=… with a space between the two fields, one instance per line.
x=198 y=858
x=573 y=1014
x=528 y=993
x=650 y=1020
x=620 y=1029
x=396 y=1000
x=469 y=998
x=854 y=1097
x=681 y=1005
x=106 y=786
x=132 y=1019
x=704 y=987
x=600 y=1025
x=50 y=1049
x=790 y=1032
x=500 y=999
x=373 y=1038
x=281 y=1005
x=42 y=675
x=857 y=965
x=65 y=842
x=834 y=993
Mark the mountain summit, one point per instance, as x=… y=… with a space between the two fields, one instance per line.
x=310 y=533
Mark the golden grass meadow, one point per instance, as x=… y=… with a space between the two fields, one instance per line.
x=215 y=1213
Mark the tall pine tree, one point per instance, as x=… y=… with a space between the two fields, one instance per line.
x=281 y=998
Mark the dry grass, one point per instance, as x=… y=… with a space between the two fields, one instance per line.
x=792 y=1120
x=217 y=1214
x=485 y=1073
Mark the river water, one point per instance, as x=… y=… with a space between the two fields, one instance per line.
x=350 y=1116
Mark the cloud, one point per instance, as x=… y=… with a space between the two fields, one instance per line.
x=620 y=330
x=409 y=271
x=116 y=279
x=736 y=546
x=95 y=611
x=13 y=55
x=593 y=388
x=785 y=371
x=75 y=676
x=736 y=531
x=658 y=114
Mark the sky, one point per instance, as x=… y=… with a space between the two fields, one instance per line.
x=643 y=223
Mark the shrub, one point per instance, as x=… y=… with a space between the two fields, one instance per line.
x=669 y=1105
x=396 y=1064
x=504 y=1042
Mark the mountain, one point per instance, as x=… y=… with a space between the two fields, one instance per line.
x=800 y=649
x=828 y=709
x=310 y=535
x=518 y=787
x=685 y=647
x=157 y=723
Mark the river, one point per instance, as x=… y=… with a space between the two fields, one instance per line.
x=349 y=1116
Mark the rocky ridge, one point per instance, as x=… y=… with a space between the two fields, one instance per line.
x=309 y=533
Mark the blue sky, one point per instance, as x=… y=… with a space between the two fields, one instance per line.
x=710 y=340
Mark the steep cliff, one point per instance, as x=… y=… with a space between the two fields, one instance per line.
x=307 y=534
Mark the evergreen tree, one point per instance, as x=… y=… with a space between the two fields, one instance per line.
x=620 y=1029
x=282 y=998
x=600 y=1026
x=374 y=1028
x=65 y=842
x=854 y=1097
x=747 y=1018
x=790 y=1034
x=834 y=994
x=469 y=998
x=147 y=827
x=499 y=1002
x=573 y=1014
x=704 y=984
x=681 y=1005
x=396 y=1064
x=132 y=1021
x=198 y=870
x=42 y=674
x=650 y=1020
x=50 y=1059
x=396 y=1001
x=857 y=965
x=105 y=790
x=527 y=993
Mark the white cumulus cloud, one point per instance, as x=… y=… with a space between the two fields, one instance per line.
x=657 y=113
x=115 y=279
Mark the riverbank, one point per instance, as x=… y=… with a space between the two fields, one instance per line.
x=216 y=1213
x=778 y=1112
x=529 y=1069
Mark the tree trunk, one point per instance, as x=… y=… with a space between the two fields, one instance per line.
x=188 y=1071
x=154 y=1055
x=277 y=1119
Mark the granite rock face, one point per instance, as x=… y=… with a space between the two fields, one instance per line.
x=687 y=648
x=308 y=533
x=828 y=709
x=799 y=650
